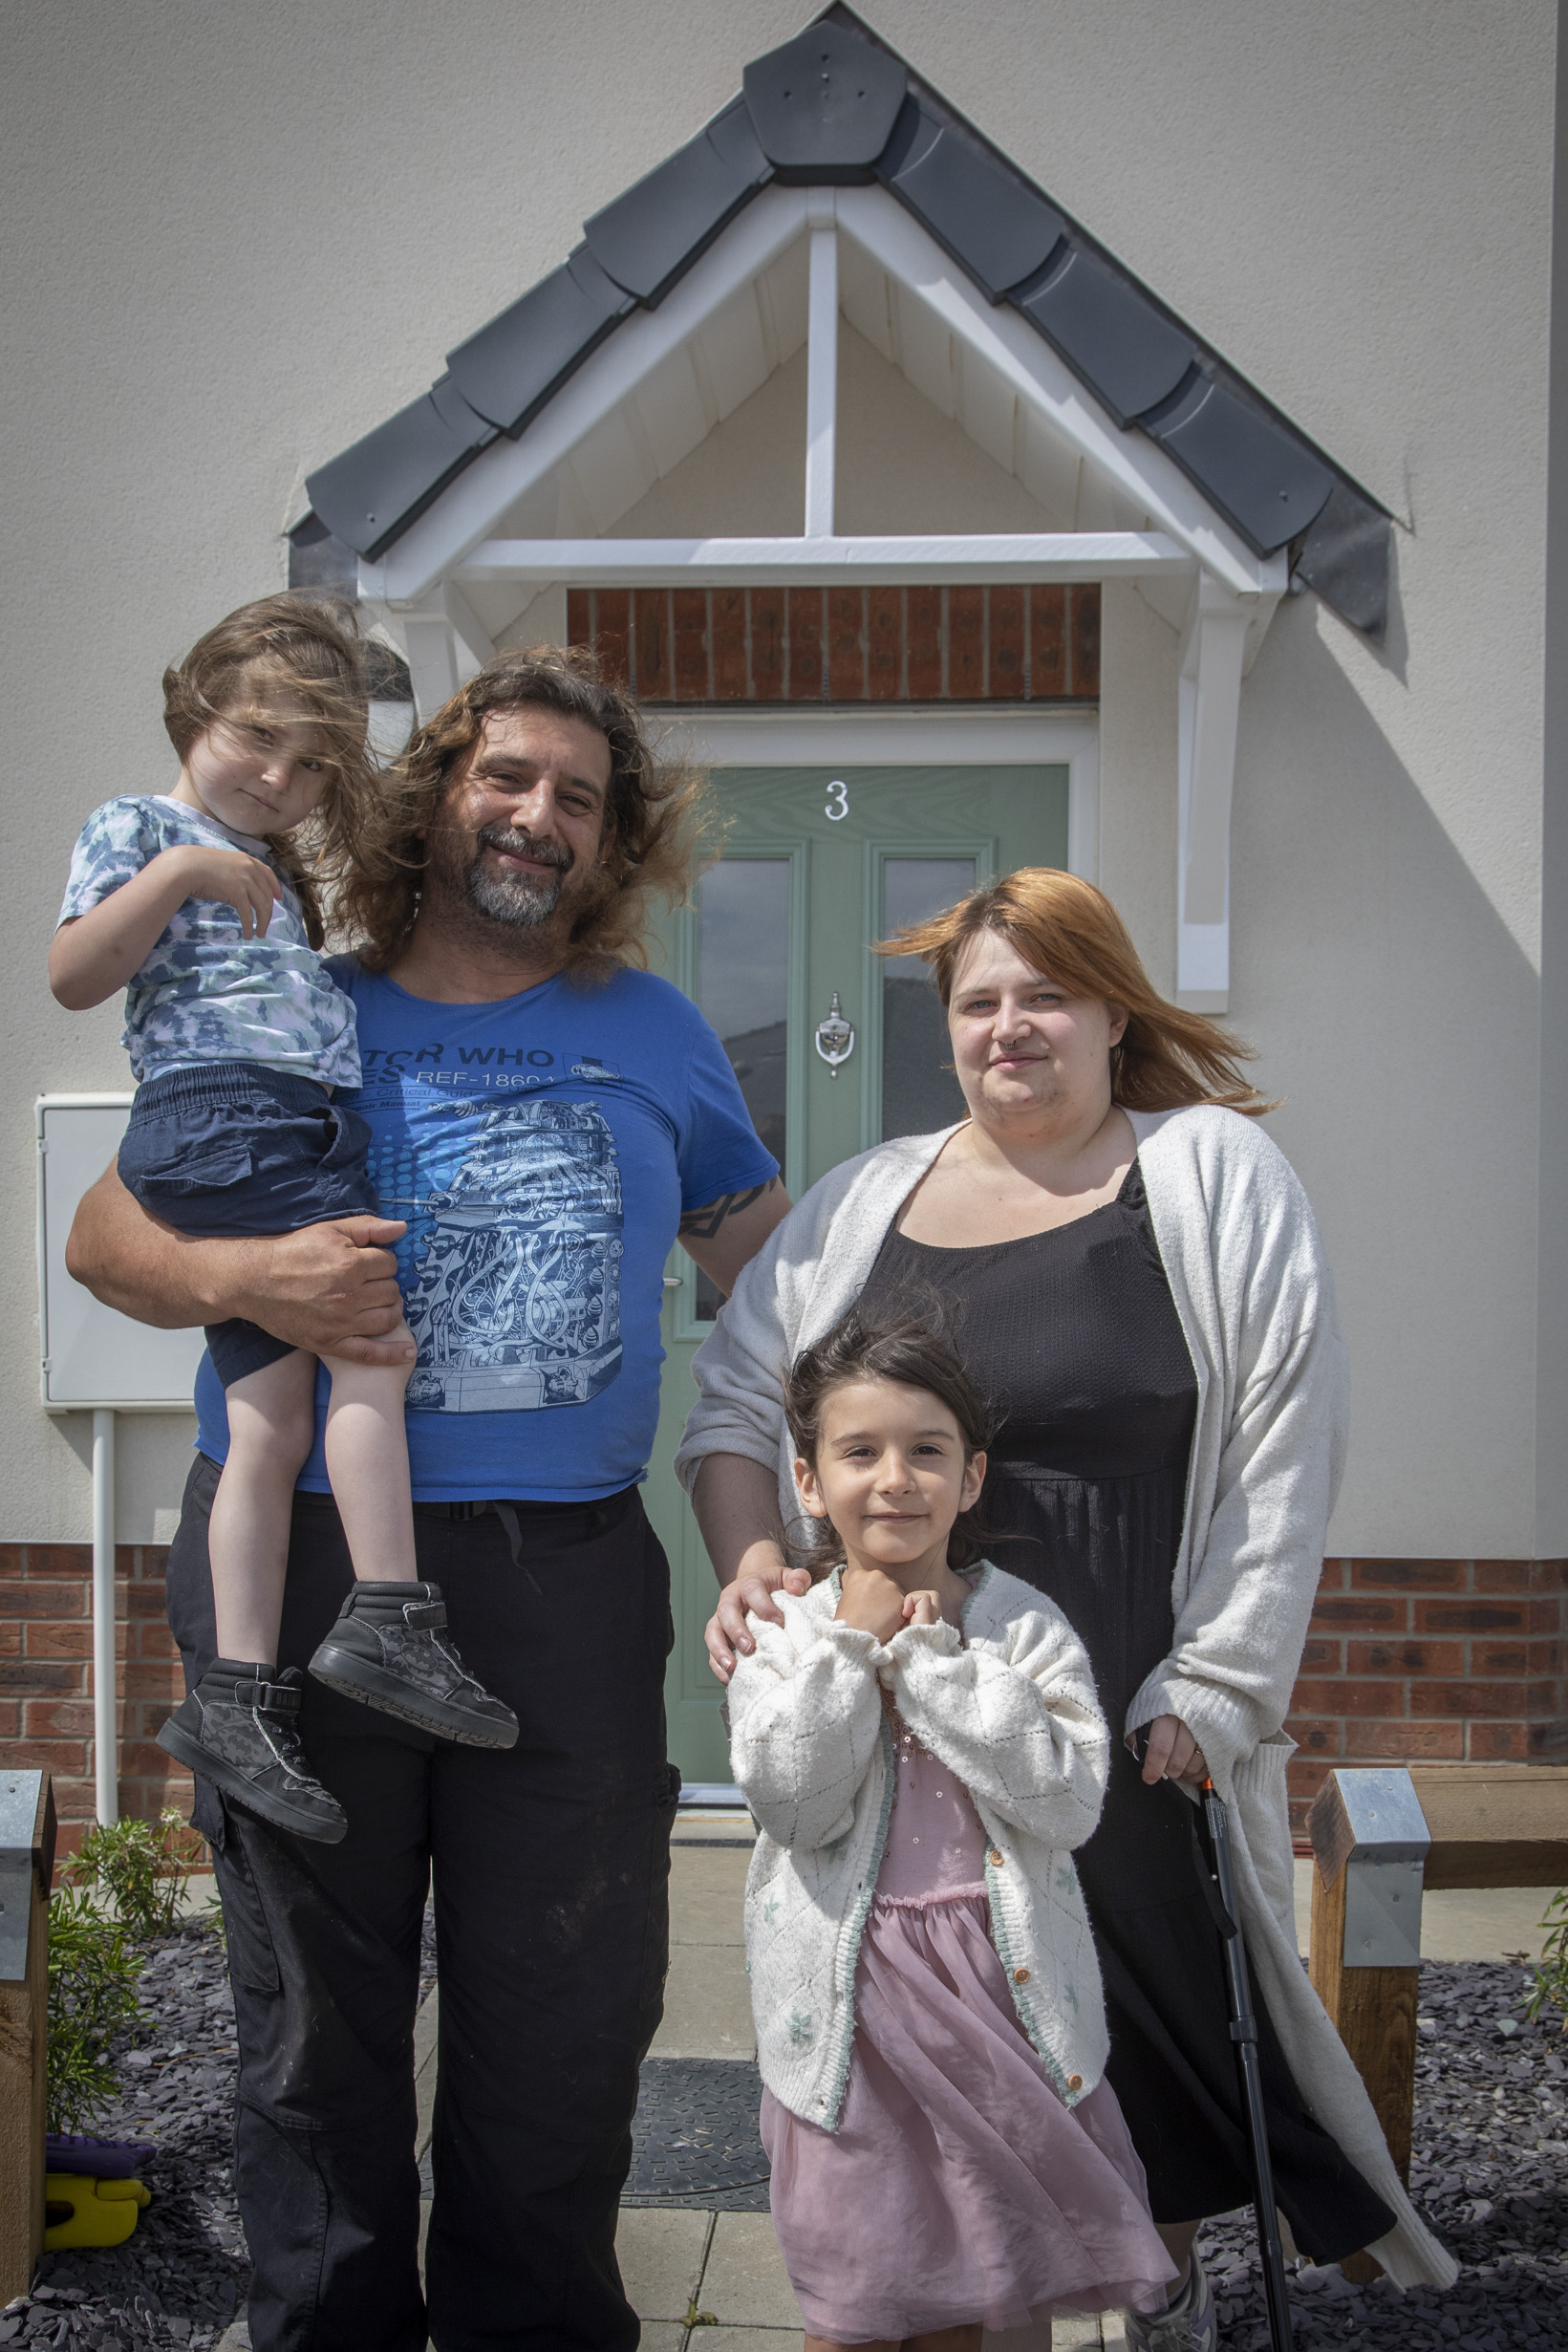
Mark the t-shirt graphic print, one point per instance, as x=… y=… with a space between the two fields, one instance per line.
x=517 y=1249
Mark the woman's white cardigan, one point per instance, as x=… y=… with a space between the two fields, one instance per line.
x=1256 y=1299
x=1010 y=1709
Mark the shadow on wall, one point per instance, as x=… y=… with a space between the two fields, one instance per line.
x=1399 y=1017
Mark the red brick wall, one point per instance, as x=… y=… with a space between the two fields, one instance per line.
x=46 y=1677
x=1436 y=1659
x=845 y=645
x=1407 y=1659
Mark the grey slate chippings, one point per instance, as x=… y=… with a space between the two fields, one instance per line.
x=1490 y=2173
x=182 y=2276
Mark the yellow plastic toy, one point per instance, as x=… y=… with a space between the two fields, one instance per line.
x=80 y=2212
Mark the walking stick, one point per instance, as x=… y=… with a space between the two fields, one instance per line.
x=1244 y=2033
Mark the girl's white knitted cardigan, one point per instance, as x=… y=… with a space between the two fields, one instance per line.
x=1010 y=1709
x=1256 y=1298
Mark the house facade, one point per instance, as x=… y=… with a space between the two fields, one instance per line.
x=983 y=437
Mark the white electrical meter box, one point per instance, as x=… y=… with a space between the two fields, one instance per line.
x=93 y=1356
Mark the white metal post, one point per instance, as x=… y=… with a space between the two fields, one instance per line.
x=105 y=1725
x=822 y=370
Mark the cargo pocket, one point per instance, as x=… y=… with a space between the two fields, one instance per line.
x=156 y=1162
x=252 y=1960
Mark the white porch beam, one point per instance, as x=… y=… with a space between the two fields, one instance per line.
x=762 y=563
x=820 y=367
x=1214 y=644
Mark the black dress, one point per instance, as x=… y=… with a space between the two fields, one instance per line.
x=1074 y=1338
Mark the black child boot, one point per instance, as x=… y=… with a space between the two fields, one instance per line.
x=391 y=1650
x=240 y=1728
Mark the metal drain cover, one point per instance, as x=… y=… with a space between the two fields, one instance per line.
x=694 y=2142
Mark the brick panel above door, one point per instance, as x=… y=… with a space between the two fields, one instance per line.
x=844 y=644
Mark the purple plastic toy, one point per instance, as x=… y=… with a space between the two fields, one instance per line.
x=97 y=2160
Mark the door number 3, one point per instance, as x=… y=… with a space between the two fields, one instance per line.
x=839 y=807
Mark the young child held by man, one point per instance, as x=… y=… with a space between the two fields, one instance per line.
x=921 y=1746
x=200 y=904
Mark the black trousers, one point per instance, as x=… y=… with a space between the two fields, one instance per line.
x=551 y=1883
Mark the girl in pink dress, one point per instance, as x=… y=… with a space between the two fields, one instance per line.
x=922 y=1748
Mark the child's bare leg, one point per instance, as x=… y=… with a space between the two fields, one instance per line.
x=239 y=1726
x=831 y=2343
x=390 y=1648
x=367 y=1461
x=271 y=1422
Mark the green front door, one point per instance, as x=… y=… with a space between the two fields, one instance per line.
x=818 y=863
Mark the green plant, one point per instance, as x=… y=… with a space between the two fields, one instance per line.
x=1550 y=1969
x=142 y=1866
x=92 y=1974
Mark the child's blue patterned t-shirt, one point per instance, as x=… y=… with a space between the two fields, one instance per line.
x=206 y=993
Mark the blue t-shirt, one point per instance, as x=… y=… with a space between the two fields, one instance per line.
x=543 y=1148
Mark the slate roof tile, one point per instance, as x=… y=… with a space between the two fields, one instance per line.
x=998 y=227
x=1259 y=476
x=1109 y=332
x=651 y=236
x=511 y=367
x=370 y=493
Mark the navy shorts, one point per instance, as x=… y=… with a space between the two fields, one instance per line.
x=229 y=1149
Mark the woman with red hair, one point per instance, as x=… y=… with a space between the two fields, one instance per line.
x=1131 y=1274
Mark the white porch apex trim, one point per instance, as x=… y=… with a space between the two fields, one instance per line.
x=820 y=367
x=924 y=560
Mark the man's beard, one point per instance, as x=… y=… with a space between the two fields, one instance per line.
x=522 y=901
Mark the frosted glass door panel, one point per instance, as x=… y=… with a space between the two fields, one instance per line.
x=742 y=979
x=742 y=987
x=918 y=1094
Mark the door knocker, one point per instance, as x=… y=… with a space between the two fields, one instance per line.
x=835 y=1037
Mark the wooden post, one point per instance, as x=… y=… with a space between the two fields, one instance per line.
x=1373 y=2012
x=1488 y=1826
x=27 y=1865
x=1370 y=1844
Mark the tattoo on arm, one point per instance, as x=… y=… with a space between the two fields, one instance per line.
x=702 y=1224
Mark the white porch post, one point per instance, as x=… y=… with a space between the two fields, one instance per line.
x=443 y=644
x=822 y=366
x=1213 y=647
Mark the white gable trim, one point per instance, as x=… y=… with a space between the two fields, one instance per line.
x=1017 y=361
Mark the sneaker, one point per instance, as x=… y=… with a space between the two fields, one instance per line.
x=390 y=1649
x=1186 y=2326
x=241 y=1731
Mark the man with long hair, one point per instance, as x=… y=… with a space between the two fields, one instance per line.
x=546 y=1116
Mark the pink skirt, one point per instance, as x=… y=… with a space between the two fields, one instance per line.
x=957 y=2188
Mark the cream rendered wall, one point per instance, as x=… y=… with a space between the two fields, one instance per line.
x=239 y=238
